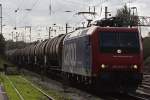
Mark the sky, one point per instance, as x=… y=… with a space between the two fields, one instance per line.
x=42 y=14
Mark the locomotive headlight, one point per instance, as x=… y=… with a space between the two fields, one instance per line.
x=135 y=66
x=103 y=66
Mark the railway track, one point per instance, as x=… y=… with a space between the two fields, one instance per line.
x=19 y=94
x=122 y=96
x=139 y=95
x=40 y=90
x=34 y=86
x=74 y=93
x=143 y=91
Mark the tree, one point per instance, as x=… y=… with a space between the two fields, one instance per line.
x=2 y=45
x=13 y=45
x=126 y=18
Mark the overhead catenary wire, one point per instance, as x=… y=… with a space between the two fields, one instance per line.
x=7 y=15
x=34 y=4
x=82 y=5
x=30 y=9
x=71 y=3
x=19 y=6
x=25 y=15
x=78 y=3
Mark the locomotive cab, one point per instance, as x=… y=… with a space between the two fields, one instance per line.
x=117 y=56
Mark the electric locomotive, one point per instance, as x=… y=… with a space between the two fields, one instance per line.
x=107 y=58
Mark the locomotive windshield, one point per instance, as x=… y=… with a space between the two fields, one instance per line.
x=127 y=42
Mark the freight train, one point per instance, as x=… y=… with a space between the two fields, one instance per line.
x=103 y=57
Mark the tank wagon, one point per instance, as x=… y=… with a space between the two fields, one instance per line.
x=110 y=57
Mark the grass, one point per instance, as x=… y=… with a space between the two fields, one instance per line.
x=26 y=90
x=55 y=94
x=12 y=95
x=4 y=61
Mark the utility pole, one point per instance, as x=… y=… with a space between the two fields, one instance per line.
x=15 y=28
x=17 y=34
x=1 y=18
x=50 y=7
x=66 y=28
x=49 y=32
x=106 y=9
x=12 y=36
x=89 y=9
x=106 y=13
x=94 y=9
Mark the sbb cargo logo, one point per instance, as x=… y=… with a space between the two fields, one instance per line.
x=69 y=56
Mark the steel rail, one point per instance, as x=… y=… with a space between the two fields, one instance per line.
x=139 y=96
x=40 y=90
x=21 y=97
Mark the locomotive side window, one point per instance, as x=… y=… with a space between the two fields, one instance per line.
x=110 y=42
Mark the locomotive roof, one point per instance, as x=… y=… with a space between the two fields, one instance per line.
x=90 y=30
x=80 y=32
